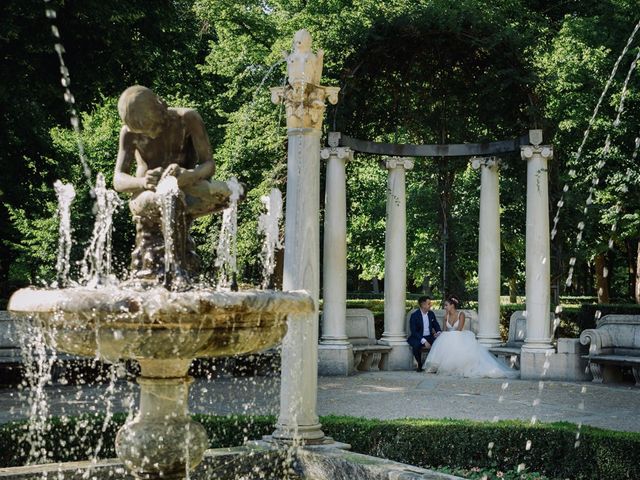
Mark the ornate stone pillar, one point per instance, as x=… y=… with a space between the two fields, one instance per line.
x=538 y=286
x=395 y=265
x=335 y=353
x=304 y=101
x=488 y=251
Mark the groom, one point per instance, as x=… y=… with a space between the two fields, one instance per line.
x=424 y=329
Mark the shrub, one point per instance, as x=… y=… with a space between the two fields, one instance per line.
x=444 y=444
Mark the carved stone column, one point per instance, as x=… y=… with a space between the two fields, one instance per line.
x=304 y=101
x=538 y=286
x=335 y=353
x=488 y=251
x=395 y=265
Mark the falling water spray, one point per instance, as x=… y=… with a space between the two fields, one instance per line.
x=96 y=267
x=226 y=252
x=66 y=194
x=269 y=226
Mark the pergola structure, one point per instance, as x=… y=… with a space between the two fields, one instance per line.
x=335 y=349
x=305 y=99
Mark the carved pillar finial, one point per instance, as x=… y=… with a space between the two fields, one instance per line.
x=303 y=96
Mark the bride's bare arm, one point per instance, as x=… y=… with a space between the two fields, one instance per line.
x=462 y=320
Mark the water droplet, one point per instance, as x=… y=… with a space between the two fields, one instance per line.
x=572 y=261
x=59 y=48
x=54 y=31
x=565 y=189
x=528 y=445
x=572 y=173
x=64 y=81
x=75 y=122
x=50 y=13
x=560 y=203
x=68 y=97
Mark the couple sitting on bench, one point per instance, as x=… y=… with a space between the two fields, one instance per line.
x=452 y=350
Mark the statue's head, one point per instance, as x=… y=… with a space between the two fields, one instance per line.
x=302 y=41
x=142 y=111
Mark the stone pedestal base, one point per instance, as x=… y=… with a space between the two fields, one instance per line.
x=565 y=364
x=400 y=356
x=335 y=359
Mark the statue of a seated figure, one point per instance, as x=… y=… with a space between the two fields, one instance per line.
x=163 y=142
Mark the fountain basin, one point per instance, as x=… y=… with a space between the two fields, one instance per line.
x=164 y=331
x=161 y=329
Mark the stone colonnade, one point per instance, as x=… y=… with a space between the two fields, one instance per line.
x=335 y=351
x=304 y=99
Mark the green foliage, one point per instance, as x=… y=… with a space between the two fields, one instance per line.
x=440 y=71
x=448 y=445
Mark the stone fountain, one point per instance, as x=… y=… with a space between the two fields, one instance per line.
x=157 y=317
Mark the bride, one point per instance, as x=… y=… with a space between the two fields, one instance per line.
x=457 y=352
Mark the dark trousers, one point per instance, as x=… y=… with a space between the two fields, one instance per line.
x=417 y=350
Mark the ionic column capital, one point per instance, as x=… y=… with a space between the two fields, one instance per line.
x=527 y=152
x=396 y=162
x=489 y=162
x=342 y=153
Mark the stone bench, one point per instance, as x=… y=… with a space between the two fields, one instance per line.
x=613 y=344
x=510 y=350
x=9 y=346
x=367 y=353
x=471 y=323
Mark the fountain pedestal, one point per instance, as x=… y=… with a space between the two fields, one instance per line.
x=162 y=441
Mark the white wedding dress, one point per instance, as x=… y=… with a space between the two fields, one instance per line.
x=458 y=353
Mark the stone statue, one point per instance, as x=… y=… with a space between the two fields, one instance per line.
x=164 y=142
x=303 y=66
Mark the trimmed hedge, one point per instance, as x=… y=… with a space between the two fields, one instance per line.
x=575 y=317
x=600 y=454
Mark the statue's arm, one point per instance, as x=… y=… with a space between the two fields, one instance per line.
x=123 y=181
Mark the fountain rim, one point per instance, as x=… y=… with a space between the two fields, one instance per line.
x=157 y=302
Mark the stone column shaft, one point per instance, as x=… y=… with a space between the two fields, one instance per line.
x=489 y=251
x=335 y=355
x=538 y=273
x=335 y=247
x=395 y=265
x=299 y=379
x=304 y=100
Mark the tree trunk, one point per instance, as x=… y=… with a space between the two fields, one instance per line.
x=633 y=247
x=602 y=278
x=638 y=275
x=513 y=292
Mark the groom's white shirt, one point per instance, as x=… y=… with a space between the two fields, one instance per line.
x=425 y=326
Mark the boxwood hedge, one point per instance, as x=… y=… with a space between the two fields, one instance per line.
x=554 y=450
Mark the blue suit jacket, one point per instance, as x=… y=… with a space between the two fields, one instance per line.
x=416 y=327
